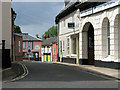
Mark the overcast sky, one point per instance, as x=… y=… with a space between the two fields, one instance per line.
x=36 y=17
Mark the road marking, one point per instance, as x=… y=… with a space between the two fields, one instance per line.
x=26 y=72
x=5 y=69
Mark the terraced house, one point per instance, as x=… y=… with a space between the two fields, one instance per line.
x=89 y=33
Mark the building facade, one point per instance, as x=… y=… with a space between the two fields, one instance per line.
x=31 y=47
x=5 y=33
x=89 y=33
x=18 y=45
x=55 y=51
x=47 y=49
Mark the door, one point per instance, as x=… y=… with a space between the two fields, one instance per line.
x=91 y=45
x=46 y=57
x=36 y=56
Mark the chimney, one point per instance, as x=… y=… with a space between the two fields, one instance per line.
x=66 y=2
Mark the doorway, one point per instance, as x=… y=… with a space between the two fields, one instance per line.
x=88 y=44
x=91 y=45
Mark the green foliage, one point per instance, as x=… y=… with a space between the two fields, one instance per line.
x=17 y=29
x=53 y=32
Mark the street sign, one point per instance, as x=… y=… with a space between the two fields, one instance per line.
x=29 y=50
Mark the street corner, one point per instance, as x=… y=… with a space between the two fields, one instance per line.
x=16 y=72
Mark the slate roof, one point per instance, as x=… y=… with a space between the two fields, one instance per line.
x=17 y=34
x=27 y=37
x=49 y=41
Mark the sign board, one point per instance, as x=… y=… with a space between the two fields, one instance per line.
x=71 y=25
x=106 y=5
x=37 y=47
x=86 y=12
x=29 y=51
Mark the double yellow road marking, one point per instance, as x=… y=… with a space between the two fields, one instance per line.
x=26 y=72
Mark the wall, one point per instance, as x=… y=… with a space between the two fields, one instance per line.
x=6 y=23
x=46 y=50
x=54 y=46
x=65 y=33
x=34 y=50
x=6 y=32
x=97 y=20
x=18 y=48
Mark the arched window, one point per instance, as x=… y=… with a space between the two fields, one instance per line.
x=108 y=37
x=105 y=38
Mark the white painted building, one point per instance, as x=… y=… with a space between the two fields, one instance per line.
x=47 y=49
x=89 y=33
x=5 y=30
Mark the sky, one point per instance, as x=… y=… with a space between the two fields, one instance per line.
x=36 y=17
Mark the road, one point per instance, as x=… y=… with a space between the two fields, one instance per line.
x=53 y=75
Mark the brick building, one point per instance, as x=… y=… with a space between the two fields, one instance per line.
x=55 y=51
x=49 y=49
x=31 y=47
x=18 y=45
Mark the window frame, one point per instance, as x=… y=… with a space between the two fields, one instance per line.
x=31 y=45
x=23 y=45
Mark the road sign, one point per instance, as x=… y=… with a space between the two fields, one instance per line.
x=29 y=50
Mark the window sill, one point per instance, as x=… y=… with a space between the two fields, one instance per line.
x=73 y=55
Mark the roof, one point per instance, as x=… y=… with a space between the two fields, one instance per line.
x=69 y=8
x=49 y=41
x=27 y=37
x=72 y=6
x=17 y=34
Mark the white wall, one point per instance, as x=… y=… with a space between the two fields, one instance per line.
x=119 y=39
x=6 y=23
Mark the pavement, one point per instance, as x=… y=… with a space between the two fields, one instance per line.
x=15 y=72
x=115 y=73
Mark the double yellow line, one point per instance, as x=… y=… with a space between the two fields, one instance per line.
x=26 y=72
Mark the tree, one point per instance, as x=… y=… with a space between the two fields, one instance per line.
x=53 y=32
x=17 y=29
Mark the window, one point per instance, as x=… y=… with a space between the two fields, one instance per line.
x=74 y=45
x=24 y=54
x=63 y=45
x=30 y=45
x=24 y=45
x=54 y=57
x=19 y=47
x=108 y=38
x=54 y=50
x=68 y=45
x=48 y=49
